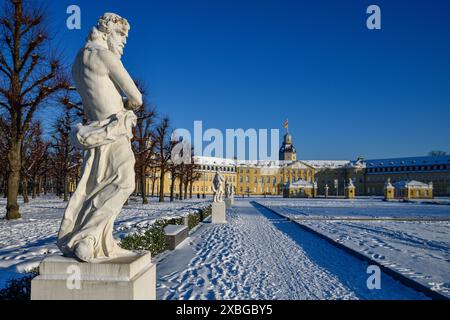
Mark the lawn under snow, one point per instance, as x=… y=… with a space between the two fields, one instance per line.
x=411 y=238
x=26 y=241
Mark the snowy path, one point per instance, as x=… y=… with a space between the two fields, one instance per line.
x=258 y=255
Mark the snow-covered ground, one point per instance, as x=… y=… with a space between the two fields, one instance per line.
x=413 y=239
x=258 y=255
x=360 y=207
x=26 y=241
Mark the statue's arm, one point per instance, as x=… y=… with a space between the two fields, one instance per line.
x=122 y=78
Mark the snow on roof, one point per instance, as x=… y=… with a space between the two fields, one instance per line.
x=411 y=184
x=328 y=164
x=214 y=161
x=410 y=161
x=259 y=163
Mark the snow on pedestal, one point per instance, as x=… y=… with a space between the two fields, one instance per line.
x=124 y=278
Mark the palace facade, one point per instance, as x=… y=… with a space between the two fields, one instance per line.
x=369 y=177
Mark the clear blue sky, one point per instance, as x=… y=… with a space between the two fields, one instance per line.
x=346 y=90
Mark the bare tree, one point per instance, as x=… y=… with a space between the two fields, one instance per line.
x=163 y=148
x=5 y=135
x=143 y=145
x=34 y=156
x=154 y=175
x=174 y=170
x=67 y=159
x=30 y=75
x=192 y=174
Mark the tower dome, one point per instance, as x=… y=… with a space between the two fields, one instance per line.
x=287 y=150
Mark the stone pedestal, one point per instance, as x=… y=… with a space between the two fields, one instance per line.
x=126 y=278
x=350 y=192
x=389 y=193
x=229 y=202
x=218 y=212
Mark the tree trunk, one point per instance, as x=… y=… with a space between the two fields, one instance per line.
x=142 y=182
x=181 y=188
x=39 y=186
x=5 y=188
x=191 y=187
x=172 y=187
x=14 y=157
x=45 y=185
x=185 y=190
x=26 y=199
x=66 y=188
x=35 y=187
x=153 y=187
x=161 y=186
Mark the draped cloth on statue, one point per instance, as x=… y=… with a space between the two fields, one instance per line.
x=106 y=183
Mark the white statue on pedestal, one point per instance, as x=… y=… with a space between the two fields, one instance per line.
x=227 y=189
x=388 y=184
x=218 y=187
x=350 y=183
x=108 y=167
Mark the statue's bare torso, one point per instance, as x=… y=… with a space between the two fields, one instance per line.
x=101 y=78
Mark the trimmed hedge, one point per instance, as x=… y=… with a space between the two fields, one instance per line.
x=18 y=289
x=154 y=239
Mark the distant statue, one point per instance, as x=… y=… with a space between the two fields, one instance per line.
x=218 y=184
x=350 y=183
x=227 y=189
x=108 y=165
x=388 y=183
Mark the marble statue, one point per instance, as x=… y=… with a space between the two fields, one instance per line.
x=388 y=184
x=227 y=189
x=218 y=187
x=108 y=95
x=350 y=183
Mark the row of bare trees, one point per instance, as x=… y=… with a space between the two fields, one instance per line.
x=153 y=147
x=30 y=76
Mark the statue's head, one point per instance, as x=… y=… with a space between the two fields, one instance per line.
x=112 y=29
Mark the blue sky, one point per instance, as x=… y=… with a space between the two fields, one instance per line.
x=346 y=90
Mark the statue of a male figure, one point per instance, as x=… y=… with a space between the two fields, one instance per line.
x=108 y=95
x=227 y=189
x=218 y=187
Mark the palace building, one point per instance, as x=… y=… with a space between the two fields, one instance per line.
x=312 y=178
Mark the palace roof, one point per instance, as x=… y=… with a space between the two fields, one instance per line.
x=410 y=161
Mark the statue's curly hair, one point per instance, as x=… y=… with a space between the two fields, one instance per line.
x=108 y=22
